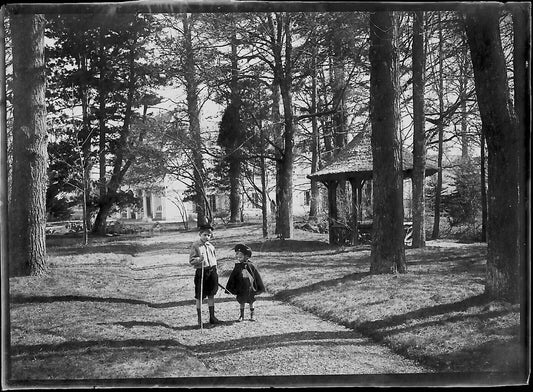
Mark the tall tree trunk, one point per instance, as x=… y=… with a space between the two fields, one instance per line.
x=440 y=127
x=286 y=167
x=340 y=131
x=85 y=166
x=4 y=267
x=236 y=158
x=101 y=113
x=235 y=169
x=278 y=153
x=327 y=132
x=419 y=137
x=483 y=184
x=522 y=92
x=463 y=80
x=264 y=193
x=313 y=204
x=102 y=131
x=27 y=216
x=283 y=78
x=204 y=215
x=501 y=131
x=388 y=252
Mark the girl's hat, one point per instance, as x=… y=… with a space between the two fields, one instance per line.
x=245 y=250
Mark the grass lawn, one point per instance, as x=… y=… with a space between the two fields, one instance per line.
x=436 y=313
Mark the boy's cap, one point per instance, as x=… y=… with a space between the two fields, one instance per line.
x=245 y=250
x=205 y=228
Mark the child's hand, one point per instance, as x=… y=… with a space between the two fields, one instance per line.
x=197 y=263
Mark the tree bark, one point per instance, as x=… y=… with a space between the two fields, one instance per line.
x=102 y=185
x=388 y=252
x=283 y=78
x=440 y=127
x=313 y=204
x=522 y=92
x=419 y=137
x=27 y=215
x=278 y=153
x=4 y=267
x=501 y=131
x=193 y=111
x=235 y=157
x=286 y=167
x=483 y=184
x=340 y=133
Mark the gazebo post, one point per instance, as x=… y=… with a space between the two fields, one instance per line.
x=332 y=210
x=355 y=183
x=360 y=201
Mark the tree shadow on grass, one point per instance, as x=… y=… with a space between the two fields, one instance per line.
x=128 y=249
x=210 y=349
x=21 y=299
x=374 y=327
x=288 y=294
x=291 y=246
x=206 y=325
x=293 y=265
x=50 y=348
x=304 y=338
x=451 y=319
x=495 y=355
x=164 y=248
x=446 y=255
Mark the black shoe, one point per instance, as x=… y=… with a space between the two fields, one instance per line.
x=241 y=318
x=214 y=320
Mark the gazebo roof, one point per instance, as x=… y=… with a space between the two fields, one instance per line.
x=355 y=161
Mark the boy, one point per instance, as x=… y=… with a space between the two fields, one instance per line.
x=245 y=281
x=203 y=255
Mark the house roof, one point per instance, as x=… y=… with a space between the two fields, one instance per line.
x=355 y=161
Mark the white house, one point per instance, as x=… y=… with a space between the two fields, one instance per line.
x=168 y=205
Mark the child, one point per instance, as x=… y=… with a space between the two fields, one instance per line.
x=244 y=281
x=203 y=255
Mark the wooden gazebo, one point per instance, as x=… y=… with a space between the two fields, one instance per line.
x=354 y=164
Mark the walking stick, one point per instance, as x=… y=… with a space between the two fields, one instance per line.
x=225 y=289
x=201 y=297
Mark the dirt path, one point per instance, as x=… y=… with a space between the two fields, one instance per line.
x=283 y=340
x=104 y=314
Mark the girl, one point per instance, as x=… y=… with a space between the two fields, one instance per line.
x=245 y=281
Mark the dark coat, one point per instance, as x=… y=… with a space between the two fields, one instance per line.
x=245 y=282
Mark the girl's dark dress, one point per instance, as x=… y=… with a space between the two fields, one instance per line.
x=245 y=282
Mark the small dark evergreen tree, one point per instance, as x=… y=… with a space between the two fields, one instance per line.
x=231 y=138
x=62 y=180
x=463 y=205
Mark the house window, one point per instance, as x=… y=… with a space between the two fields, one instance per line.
x=159 y=212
